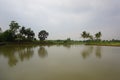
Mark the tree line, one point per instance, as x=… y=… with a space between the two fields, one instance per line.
x=20 y=33
x=88 y=37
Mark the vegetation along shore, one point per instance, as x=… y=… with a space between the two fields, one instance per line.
x=17 y=34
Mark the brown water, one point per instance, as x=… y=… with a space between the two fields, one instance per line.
x=69 y=62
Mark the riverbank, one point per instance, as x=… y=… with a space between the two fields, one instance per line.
x=104 y=43
x=63 y=42
x=47 y=42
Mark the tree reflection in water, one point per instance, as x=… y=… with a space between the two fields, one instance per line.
x=98 y=51
x=16 y=53
x=9 y=52
x=42 y=52
x=88 y=50
x=26 y=53
x=67 y=46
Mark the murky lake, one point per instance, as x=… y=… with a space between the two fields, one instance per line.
x=68 y=62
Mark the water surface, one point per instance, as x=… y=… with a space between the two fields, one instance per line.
x=64 y=62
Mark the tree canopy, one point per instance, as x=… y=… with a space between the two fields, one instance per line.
x=15 y=33
x=43 y=35
x=14 y=26
x=88 y=36
x=98 y=35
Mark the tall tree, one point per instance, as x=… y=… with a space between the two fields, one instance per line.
x=85 y=35
x=14 y=26
x=0 y=30
x=98 y=35
x=90 y=37
x=1 y=35
x=22 y=30
x=8 y=36
x=42 y=35
x=29 y=33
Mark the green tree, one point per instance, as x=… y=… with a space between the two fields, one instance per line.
x=90 y=37
x=22 y=31
x=12 y=34
x=21 y=34
x=8 y=35
x=29 y=33
x=0 y=34
x=26 y=34
x=42 y=35
x=14 y=26
x=68 y=39
x=0 y=30
x=85 y=35
x=98 y=35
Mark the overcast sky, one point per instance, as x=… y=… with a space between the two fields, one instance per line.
x=64 y=18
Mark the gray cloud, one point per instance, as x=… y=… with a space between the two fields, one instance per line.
x=64 y=18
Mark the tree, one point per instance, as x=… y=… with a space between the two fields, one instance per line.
x=14 y=26
x=8 y=36
x=68 y=39
x=30 y=34
x=21 y=34
x=90 y=37
x=12 y=33
x=85 y=35
x=42 y=35
x=27 y=34
x=0 y=34
x=22 y=30
x=0 y=30
x=98 y=35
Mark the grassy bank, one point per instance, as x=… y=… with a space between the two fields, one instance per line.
x=65 y=42
x=46 y=42
x=109 y=43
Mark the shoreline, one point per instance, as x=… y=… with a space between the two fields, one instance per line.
x=114 y=44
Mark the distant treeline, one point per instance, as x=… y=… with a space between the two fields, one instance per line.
x=18 y=33
x=88 y=37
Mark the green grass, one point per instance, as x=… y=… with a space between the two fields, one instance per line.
x=109 y=43
x=67 y=42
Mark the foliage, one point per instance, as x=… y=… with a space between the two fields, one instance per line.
x=89 y=37
x=0 y=30
x=29 y=33
x=98 y=35
x=14 y=26
x=22 y=31
x=8 y=35
x=26 y=34
x=42 y=35
x=86 y=35
x=16 y=34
